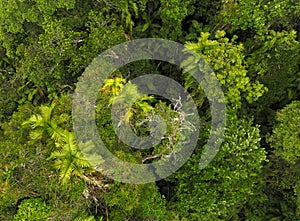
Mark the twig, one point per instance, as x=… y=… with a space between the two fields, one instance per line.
x=151 y=157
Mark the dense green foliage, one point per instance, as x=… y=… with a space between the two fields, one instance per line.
x=32 y=209
x=253 y=46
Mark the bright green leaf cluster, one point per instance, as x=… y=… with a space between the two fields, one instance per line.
x=227 y=59
x=286 y=134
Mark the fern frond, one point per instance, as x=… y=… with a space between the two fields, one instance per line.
x=46 y=112
x=69 y=160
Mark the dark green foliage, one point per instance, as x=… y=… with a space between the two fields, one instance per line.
x=251 y=45
x=276 y=61
x=63 y=38
x=135 y=202
x=280 y=189
x=220 y=190
x=257 y=16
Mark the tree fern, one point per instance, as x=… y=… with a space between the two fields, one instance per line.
x=43 y=123
x=69 y=160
